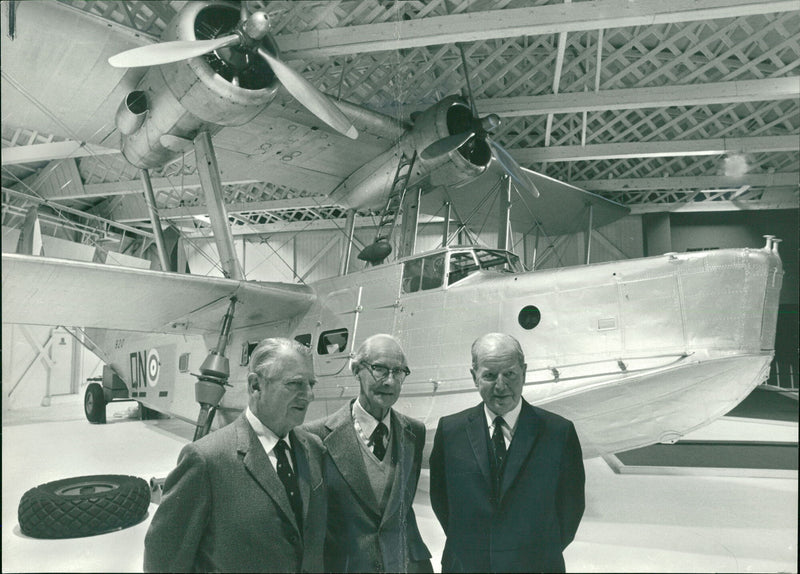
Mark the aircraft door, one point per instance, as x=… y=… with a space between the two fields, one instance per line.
x=332 y=346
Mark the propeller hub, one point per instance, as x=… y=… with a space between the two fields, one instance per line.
x=257 y=26
x=490 y=123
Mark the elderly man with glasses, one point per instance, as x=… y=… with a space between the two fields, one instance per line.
x=372 y=467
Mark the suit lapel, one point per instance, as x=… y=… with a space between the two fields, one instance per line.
x=343 y=447
x=476 y=431
x=258 y=465
x=524 y=438
x=403 y=451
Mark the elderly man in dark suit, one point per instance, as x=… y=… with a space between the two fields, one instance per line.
x=507 y=479
x=249 y=497
x=372 y=466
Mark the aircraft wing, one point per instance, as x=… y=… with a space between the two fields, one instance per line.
x=46 y=291
x=560 y=209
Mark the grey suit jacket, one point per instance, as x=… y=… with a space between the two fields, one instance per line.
x=224 y=508
x=360 y=539
x=527 y=524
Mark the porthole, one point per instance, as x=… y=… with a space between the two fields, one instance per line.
x=529 y=317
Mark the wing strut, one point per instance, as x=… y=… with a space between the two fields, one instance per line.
x=213 y=377
x=150 y=200
x=210 y=181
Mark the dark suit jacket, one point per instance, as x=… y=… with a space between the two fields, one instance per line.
x=224 y=508
x=360 y=539
x=526 y=526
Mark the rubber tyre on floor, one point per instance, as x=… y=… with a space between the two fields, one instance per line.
x=94 y=404
x=83 y=506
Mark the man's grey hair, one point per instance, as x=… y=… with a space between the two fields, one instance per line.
x=268 y=349
x=363 y=352
x=496 y=338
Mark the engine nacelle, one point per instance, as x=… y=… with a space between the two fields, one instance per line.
x=448 y=117
x=226 y=87
x=369 y=186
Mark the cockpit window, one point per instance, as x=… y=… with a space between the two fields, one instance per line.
x=498 y=260
x=461 y=265
x=423 y=273
x=465 y=263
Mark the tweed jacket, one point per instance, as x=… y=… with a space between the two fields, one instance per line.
x=360 y=538
x=224 y=509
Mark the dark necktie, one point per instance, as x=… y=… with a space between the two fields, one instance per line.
x=289 y=480
x=499 y=448
x=376 y=440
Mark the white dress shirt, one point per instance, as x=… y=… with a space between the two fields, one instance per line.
x=267 y=438
x=510 y=418
x=365 y=423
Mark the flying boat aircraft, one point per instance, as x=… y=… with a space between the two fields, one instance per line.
x=634 y=352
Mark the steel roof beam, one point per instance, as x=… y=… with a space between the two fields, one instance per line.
x=637 y=98
x=689 y=182
x=533 y=21
x=626 y=150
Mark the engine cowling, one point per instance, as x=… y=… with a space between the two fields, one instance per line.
x=368 y=187
x=448 y=117
x=226 y=87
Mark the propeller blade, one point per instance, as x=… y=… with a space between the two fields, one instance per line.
x=168 y=52
x=512 y=168
x=466 y=77
x=317 y=103
x=445 y=145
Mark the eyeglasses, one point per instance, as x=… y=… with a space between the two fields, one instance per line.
x=381 y=372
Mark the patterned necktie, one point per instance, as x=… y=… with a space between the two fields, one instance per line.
x=499 y=445
x=376 y=440
x=289 y=480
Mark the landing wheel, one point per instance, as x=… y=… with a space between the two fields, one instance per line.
x=94 y=404
x=83 y=506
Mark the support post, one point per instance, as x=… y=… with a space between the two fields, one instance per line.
x=208 y=172
x=410 y=223
x=589 y=235
x=158 y=234
x=505 y=211
x=350 y=226
x=446 y=228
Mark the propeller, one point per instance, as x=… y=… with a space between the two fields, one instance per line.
x=248 y=35
x=168 y=52
x=480 y=128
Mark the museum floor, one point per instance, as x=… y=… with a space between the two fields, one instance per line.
x=656 y=515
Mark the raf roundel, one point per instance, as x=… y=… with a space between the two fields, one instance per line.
x=153 y=367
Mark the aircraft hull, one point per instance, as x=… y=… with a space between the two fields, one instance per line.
x=633 y=352
x=623 y=412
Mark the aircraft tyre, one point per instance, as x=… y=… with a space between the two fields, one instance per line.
x=83 y=506
x=94 y=404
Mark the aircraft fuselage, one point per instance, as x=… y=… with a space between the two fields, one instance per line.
x=633 y=352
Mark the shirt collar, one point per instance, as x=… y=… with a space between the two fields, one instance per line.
x=268 y=438
x=367 y=422
x=510 y=417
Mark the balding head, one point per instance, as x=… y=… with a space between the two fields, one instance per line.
x=376 y=345
x=496 y=342
x=380 y=367
x=498 y=369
